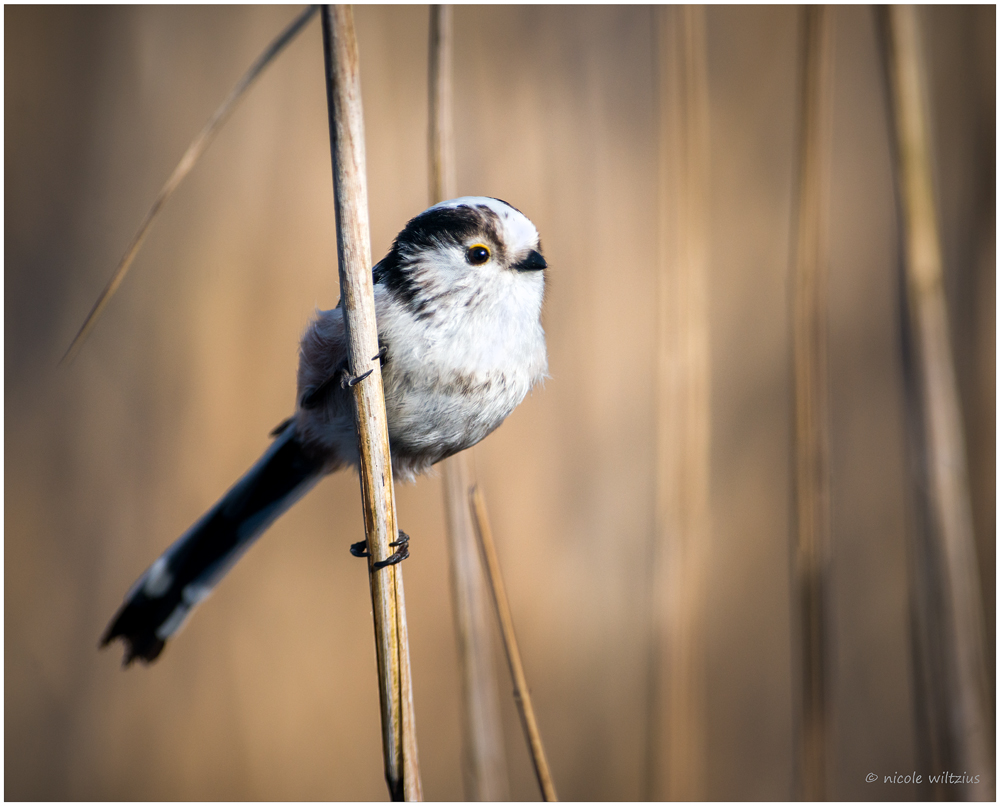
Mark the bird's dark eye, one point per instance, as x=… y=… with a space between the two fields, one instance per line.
x=477 y=254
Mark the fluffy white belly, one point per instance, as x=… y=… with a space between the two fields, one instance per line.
x=442 y=413
x=450 y=382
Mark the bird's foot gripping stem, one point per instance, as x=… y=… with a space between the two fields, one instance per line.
x=402 y=546
x=347 y=381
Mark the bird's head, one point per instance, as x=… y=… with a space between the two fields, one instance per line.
x=465 y=252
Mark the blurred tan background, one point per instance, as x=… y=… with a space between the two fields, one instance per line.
x=270 y=691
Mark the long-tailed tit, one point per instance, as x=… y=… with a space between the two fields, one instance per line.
x=457 y=300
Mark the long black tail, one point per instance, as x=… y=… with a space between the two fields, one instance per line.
x=163 y=597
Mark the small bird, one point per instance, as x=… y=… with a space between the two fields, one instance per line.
x=458 y=301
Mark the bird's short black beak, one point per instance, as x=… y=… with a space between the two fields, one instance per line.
x=532 y=262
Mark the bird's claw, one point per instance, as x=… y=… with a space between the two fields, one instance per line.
x=402 y=546
x=397 y=556
x=346 y=381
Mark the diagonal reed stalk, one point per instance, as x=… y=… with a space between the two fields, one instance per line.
x=949 y=643
x=191 y=156
x=675 y=766
x=810 y=550
x=484 y=763
x=522 y=695
x=347 y=146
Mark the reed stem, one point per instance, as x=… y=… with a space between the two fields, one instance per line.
x=347 y=146
x=522 y=696
x=811 y=436
x=947 y=599
x=484 y=763
x=188 y=161
x=441 y=137
x=676 y=744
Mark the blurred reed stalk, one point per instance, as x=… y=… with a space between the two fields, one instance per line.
x=810 y=551
x=484 y=762
x=441 y=134
x=522 y=696
x=950 y=668
x=347 y=146
x=191 y=156
x=675 y=763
